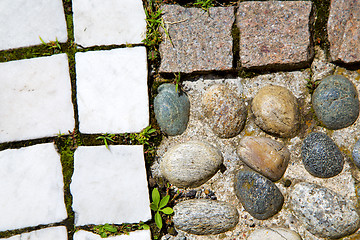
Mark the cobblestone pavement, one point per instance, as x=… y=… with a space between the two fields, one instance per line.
x=100 y=87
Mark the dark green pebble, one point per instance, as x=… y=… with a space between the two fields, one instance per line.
x=172 y=109
x=335 y=102
x=259 y=196
x=320 y=155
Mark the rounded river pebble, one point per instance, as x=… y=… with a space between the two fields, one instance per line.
x=335 y=102
x=225 y=112
x=259 y=196
x=320 y=155
x=276 y=111
x=172 y=109
x=202 y=217
x=323 y=212
x=264 y=155
x=274 y=234
x=190 y=164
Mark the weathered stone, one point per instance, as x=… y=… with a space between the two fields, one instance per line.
x=266 y=156
x=258 y=195
x=196 y=40
x=275 y=34
x=172 y=109
x=356 y=153
x=335 y=102
x=202 y=217
x=273 y=234
x=320 y=155
x=226 y=112
x=276 y=111
x=190 y=164
x=344 y=30
x=323 y=212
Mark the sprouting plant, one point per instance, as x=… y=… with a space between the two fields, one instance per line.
x=158 y=205
x=107 y=137
x=142 y=137
x=177 y=81
x=105 y=230
x=312 y=85
x=52 y=44
x=204 y=4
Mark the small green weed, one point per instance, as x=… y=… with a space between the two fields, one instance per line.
x=107 y=137
x=158 y=205
x=177 y=82
x=312 y=85
x=204 y=4
x=52 y=44
x=107 y=230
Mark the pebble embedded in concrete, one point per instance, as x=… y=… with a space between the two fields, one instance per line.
x=323 y=212
x=224 y=111
x=110 y=185
x=191 y=164
x=273 y=234
x=205 y=217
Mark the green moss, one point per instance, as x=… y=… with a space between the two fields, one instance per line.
x=322 y=8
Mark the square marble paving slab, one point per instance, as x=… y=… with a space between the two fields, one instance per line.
x=110 y=186
x=137 y=235
x=52 y=233
x=35 y=98
x=31 y=184
x=112 y=91
x=23 y=22
x=108 y=22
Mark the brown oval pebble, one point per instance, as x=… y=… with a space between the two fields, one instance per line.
x=225 y=112
x=264 y=155
x=190 y=164
x=276 y=111
x=203 y=217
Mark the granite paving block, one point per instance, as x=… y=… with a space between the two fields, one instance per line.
x=23 y=22
x=344 y=30
x=108 y=22
x=35 y=98
x=200 y=41
x=275 y=35
x=137 y=235
x=31 y=184
x=52 y=233
x=112 y=90
x=110 y=185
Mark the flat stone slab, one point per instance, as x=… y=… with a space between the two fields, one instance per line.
x=137 y=235
x=110 y=186
x=344 y=30
x=108 y=22
x=200 y=41
x=35 y=98
x=52 y=233
x=275 y=34
x=23 y=22
x=112 y=91
x=32 y=187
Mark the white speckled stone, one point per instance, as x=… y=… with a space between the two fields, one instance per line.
x=137 y=235
x=23 y=22
x=32 y=181
x=273 y=234
x=108 y=22
x=35 y=97
x=110 y=186
x=52 y=233
x=112 y=91
x=323 y=212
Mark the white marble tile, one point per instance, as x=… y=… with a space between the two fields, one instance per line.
x=112 y=90
x=110 y=186
x=52 y=233
x=31 y=184
x=35 y=98
x=108 y=22
x=137 y=235
x=24 y=21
